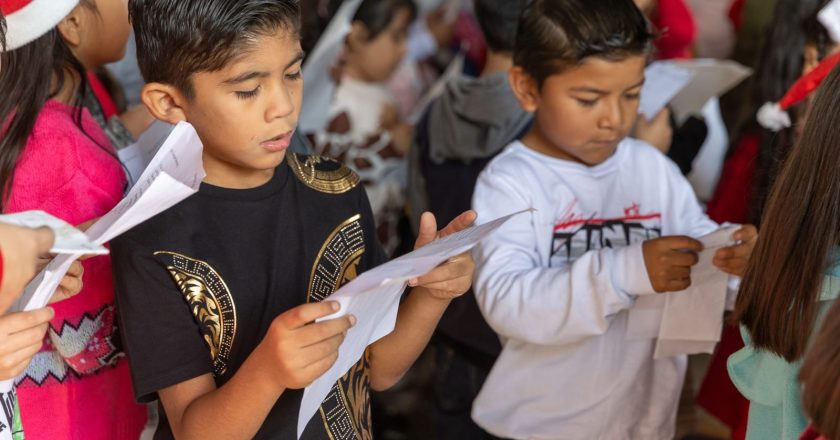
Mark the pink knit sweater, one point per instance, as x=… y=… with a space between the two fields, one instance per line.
x=78 y=386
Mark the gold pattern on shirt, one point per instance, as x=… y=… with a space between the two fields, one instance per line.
x=337 y=181
x=210 y=302
x=345 y=411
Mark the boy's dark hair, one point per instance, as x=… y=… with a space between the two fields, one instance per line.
x=499 y=21
x=179 y=38
x=554 y=35
x=377 y=15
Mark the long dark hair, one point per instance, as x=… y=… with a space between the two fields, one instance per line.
x=794 y=24
x=820 y=377
x=25 y=77
x=780 y=291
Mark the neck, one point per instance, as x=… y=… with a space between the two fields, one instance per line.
x=226 y=175
x=497 y=62
x=354 y=71
x=535 y=140
x=67 y=93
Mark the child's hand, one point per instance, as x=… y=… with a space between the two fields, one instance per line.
x=71 y=284
x=733 y=260
x=657 y=132
x=298 y=350
x=21 y=337
x=24 y=251
x=668 y=261
x=401 y=137
x=453 y=278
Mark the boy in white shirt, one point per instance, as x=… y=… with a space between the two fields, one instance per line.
x=613 y=222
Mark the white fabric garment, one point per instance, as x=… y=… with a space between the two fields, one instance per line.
x=557 y=285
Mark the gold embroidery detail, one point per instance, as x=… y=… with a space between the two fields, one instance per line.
x=210 y=302
x=332 y=182
x=345 y=412
x=338 y=259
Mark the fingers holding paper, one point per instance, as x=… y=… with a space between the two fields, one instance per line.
x=21 y=337
x=298 y=349
x=71 y=284
x=453 y=278
x=449 y=280
x=733 y=259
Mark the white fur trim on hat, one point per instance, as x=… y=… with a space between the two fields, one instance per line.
x=34 y=20
x=772 y=117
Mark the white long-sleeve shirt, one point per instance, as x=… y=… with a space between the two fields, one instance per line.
x=557 y=285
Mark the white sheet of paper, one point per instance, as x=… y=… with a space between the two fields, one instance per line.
x=711 y=78
x=374 y=298
x=708 y=165
x=68 y=239
x=137 y=156
x=663 y=81
x=455 y=68
x=174 y=174
x=692 y=320
x=317 y=69
x=830 y=18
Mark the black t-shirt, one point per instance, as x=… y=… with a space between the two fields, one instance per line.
x=198 y=285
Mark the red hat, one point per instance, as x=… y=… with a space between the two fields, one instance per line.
x=27 y=20
x=773 y=116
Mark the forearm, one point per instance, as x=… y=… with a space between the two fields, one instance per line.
x=393 y=355
x=245 y=402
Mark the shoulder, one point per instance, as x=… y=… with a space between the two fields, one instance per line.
x=642 y=156
x=515 y=162
x=321 y=174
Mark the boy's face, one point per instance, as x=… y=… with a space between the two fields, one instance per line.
x=246 y=113
x=583 y=113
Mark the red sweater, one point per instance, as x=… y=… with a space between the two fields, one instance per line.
x=78 y=385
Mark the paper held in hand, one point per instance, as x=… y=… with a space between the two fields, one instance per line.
x=174 y=174
x=68 y=239
x=687 y=85
x=374 y=298
x=689 y=321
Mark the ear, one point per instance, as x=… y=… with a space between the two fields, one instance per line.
x=165 y=102
x=70 y=28
x=525 y=88
x=358 y=35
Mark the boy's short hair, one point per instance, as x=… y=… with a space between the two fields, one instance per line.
x=557 y=34
x=179 y=38
x=499 y=21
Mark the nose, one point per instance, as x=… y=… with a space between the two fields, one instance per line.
x=612 y=117
x=281 y=105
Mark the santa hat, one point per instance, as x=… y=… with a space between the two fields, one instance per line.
x=773 y=115
x=27 y=20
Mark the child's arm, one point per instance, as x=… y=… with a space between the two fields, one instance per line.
x=523 y=298
x=292 y=355
x=419 y=314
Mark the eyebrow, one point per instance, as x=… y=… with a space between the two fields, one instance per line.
x=604 y=92
x=247 y=76
x=298 y=58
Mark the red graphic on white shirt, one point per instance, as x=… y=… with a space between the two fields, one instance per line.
x=575 y=234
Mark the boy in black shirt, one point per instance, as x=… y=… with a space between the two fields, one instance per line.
x=218 y=295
